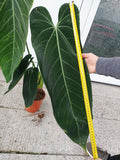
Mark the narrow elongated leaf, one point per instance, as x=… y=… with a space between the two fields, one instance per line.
x=56 y=53
x=20 y=70
x=30 y=85
x=13 y=32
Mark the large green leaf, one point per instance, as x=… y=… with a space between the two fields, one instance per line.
x=30 y=86
x=56 y=53
x=20 y=70
x=13 y=32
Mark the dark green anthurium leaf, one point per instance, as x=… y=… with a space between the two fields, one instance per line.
x=13 y=33
x=20 y=70
x=1 y=3
x=56 y=53
x=30 y=86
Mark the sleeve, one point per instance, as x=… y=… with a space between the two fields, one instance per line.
x=116 y=157
x=109 y=67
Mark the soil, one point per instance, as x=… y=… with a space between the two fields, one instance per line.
x=40 y=94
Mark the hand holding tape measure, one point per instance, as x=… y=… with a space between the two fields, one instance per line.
x=83 y=81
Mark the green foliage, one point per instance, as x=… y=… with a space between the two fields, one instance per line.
x=30 y=85
x=13 y=32
x=56 y=54
x=20 y=70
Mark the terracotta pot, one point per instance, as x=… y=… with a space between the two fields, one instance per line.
x=37 y=102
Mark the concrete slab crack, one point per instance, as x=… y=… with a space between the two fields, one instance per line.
x=44 y=153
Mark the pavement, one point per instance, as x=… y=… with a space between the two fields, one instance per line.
x=24 y=137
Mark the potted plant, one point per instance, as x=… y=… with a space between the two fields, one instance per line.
x=56 y=54
x=13 y=35
x=33 y=93
x=39 y=96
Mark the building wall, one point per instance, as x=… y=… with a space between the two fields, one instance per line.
x=104 y=36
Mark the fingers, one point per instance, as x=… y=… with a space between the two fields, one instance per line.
x=85 y=55
x=90 y=60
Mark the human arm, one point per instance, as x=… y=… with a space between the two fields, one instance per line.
x=109 y=66
x=91 y=60
x=104 y=66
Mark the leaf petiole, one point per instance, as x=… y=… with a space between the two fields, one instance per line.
x=30 y=54
x=40 y=81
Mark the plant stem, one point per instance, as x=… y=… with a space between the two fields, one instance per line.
x=27 y=48
x=30 y=54
x=40 y=81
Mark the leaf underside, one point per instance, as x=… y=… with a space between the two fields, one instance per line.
x=30 y=86
x=20 y=70
x=56 y=54
x=13 y=32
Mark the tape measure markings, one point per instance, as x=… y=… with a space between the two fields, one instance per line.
x=83 y=82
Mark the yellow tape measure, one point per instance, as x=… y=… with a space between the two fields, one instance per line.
x=83 y=82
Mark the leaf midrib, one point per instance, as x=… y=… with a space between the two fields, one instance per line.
x=2 y=4
x=65 y=83
x=13 y=33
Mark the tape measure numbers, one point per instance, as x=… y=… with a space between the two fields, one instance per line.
x=83 y=82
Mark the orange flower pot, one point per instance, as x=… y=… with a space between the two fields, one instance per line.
x=37 y=102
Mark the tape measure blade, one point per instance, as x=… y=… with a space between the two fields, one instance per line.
x=83 y=82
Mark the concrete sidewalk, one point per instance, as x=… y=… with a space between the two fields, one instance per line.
x=25 y=138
